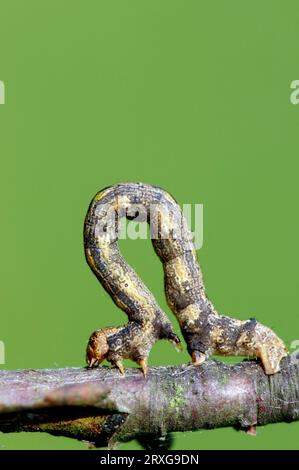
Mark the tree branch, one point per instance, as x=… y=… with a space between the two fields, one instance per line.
x=103 y=407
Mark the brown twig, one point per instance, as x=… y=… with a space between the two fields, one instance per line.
x=103 y=407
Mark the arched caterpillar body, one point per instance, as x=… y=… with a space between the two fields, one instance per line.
x=204 y=330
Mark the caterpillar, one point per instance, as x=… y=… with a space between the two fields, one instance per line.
x=205 y=331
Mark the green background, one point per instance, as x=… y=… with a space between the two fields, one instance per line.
x=193 y=96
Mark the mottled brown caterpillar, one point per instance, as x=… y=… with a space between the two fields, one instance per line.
x=204 y=330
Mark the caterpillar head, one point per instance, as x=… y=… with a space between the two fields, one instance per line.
x=97 y=347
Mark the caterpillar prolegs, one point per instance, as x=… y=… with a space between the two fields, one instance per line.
x=204 y=330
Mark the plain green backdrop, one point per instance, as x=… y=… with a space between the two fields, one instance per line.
x=193 y=96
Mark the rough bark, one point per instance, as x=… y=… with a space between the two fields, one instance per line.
x=103 y=407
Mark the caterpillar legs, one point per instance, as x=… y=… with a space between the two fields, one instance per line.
x=133 y=341
x=198 y=358
x=225 y=336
